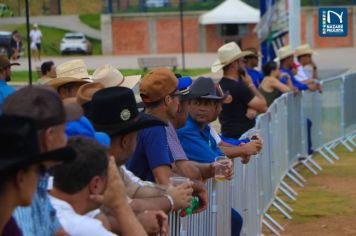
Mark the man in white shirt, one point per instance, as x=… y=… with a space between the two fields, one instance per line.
x=36 y=37
x=85 y=184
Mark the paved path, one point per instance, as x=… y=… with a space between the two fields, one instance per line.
x=330 y=61
x=67 y=22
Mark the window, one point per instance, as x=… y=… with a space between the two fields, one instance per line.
x=233 y=30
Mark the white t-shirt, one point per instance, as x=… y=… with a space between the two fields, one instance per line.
x=214 y=134
x=75 y=224
x=35 y=36
x=301 y=76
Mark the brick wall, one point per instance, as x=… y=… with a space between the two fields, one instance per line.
x=130 y=36
x=169 y=38
x=133 y=33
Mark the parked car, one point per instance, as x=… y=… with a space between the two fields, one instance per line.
x=75 y=43
x=5 y=43
x=5 y=10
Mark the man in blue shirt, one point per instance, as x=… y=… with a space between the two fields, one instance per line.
x=5 y=76
x=195 y=136
x=251 y=62
x=286 y=58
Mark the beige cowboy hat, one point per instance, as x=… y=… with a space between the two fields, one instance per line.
x=227 y=54
x=109 y=76
x=86 y=92
x=284 y=52
x=73 y=68
x=73 y=71
x=304 y=49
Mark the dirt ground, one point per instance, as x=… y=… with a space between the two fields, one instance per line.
x=327 y=203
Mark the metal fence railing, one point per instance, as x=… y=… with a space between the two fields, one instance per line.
x=294 y=127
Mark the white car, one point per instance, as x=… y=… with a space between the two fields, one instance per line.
x=75 y=43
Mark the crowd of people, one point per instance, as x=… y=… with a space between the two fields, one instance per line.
x=83 y=155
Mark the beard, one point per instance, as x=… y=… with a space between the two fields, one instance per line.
x=8 y=78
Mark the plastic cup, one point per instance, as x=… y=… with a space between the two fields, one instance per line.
x=178 y=180
x=221 y=165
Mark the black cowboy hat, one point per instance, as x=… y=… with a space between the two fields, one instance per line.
x=114 y=111
x=19 y=145
x=204 y=88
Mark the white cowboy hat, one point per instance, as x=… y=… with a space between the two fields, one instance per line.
x=73 y=68
x=109 y=76
x=304 y=49
x=284 y=52
x=227 y=54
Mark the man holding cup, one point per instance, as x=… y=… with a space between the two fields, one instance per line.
x=197 y=141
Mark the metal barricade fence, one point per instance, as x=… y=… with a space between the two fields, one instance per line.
x=331 y=116
x=215 y=220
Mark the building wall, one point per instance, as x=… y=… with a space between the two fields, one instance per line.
x=160 y=33
x=130 y=36
x=152 y=33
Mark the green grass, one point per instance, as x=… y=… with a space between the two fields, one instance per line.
x=51 y=39
x=92 y=20
x=22 y=76
x=318 y=200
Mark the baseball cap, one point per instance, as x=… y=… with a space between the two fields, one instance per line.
x=83 y=127
x=157 y=84
x=43 y=105
x=5 y=62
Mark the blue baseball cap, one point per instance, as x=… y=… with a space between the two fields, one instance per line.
x=83 y=127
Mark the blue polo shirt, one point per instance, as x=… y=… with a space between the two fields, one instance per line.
x=198 y=144
x=295 y=82
x=256 y=76
x=5 y=90
x=151 y=151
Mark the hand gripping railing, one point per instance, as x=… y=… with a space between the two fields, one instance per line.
x=294 y=127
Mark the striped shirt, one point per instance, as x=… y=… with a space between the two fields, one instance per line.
x=174 y=145
x=39 y=218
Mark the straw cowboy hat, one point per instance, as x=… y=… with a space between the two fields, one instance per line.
x=303 y=50
x=227 y=54
x=109 y=76
x=284 y=52
x=73 y=71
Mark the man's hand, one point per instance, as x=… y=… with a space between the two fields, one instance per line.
x=252 y=148
x=229 y=172
x=251 y=113
x=247 y=79
x=181 y=194
x=200 y=192
x=154 y=222
x=114 y=195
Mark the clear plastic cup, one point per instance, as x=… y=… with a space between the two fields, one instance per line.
x=222 y=163
x=178 y=180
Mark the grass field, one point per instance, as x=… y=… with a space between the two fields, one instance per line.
x=51 y=39
x=92 y=20
x=326 y=205
x=22 y=76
